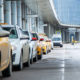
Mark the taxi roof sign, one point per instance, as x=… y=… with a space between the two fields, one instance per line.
x=3 y=23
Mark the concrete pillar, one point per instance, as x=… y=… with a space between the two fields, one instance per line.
x=29 y=20
x=52 y=31
x=1 y=11
x=46 y=30
x=23 y=15
x=19 y=14
x=7 y=12
x=63 y=36
x=79 y=36
x=40 y=26
x=14 y=12
x=67 y=37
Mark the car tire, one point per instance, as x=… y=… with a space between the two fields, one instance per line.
x=61 y=46
x=39 y=57
x=49 y=50
x=35 y=59
x=52 y=48
x=20 y=67
x=8 y=71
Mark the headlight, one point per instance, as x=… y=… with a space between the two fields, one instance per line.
x=14 y=48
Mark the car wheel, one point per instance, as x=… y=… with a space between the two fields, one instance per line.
x=61 y=46
x=8 y=72
x=20 y=67
x=39 y=57
x=49 y=50
x=35 y=59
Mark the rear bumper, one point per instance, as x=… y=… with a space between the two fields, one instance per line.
x=38 y=50
x=44 y=49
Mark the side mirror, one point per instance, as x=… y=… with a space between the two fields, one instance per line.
x=4 y=33
x=42 y=39
x=34 y=39
x=23 y=37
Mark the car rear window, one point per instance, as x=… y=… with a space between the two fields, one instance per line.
x=35 y=35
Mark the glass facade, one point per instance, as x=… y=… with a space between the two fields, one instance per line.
x=68 y=11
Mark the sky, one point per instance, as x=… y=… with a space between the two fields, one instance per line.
x=68 y=11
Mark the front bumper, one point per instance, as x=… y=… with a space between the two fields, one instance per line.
x=58 y=44
x=15 y=58
x=38 y=50
x=44 y=49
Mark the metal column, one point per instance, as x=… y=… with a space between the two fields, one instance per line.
x=14 y=13
x=1 y=11
x=7 y=12
x=19 y=15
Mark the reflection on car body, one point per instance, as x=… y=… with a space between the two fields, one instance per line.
x=5 y=54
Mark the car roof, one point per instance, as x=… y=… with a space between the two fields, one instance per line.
x=7 y=25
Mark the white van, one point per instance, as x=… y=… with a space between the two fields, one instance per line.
x=57 y=40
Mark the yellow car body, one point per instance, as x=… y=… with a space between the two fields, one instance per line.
x=5 y=53
x=39 y=49
x=49 y=44
x=44 y=45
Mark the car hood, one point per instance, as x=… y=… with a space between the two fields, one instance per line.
x=14 y=41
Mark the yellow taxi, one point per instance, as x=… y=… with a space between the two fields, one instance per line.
x=48 y=41
x=38 y=47
x=39 y=50
x=5 y=54
x=44 y=45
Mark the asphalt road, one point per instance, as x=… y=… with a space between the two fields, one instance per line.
x=60 y=64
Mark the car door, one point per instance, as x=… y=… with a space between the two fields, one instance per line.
x=26 y=50
x=4 y=50
x=35 y=43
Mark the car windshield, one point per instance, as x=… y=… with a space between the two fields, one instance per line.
x=56 y=39
x=13 y=32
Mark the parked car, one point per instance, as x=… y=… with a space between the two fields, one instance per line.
x=33 y=39
x=5 y=54
x=20 y=46
x=45 y=46
x=48 y=41
x=57 y=40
